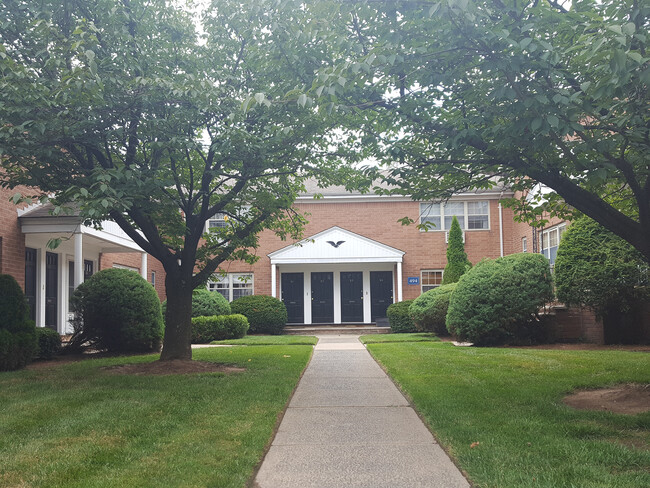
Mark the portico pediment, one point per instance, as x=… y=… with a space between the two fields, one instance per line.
x=336 y=245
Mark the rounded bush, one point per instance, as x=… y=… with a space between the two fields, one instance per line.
x=49 y=343
x=598 y=269
x=206 y=303
x=493 y=297
x=265 y=314
x=117 y=311
x=429 y=310
x=399 y=317
x=18 y=343
x=218 y=328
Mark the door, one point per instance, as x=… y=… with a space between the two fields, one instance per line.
x=51 y=289
x=293 y=292
x=351 y=296
x=381 y=293
x=30 y=281
x=322 y=298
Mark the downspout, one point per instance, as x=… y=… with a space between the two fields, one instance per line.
x=500 y=226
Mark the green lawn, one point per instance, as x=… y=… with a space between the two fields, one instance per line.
x=270 y=340
x=400 y=337
x=510 y=402
x=76 y=425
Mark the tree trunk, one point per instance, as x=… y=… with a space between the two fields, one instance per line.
x=177 y=343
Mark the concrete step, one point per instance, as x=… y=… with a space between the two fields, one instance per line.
x=335 y=329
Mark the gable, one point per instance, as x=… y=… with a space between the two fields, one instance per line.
x=336 y=245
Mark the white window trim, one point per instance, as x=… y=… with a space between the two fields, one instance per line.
x=422 y=271
x=465 y=216
x=231 y=278
x=548 y=231
x=524 y=244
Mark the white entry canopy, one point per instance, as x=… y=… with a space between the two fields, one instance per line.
x=336 y=245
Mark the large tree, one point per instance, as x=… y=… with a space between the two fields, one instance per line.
x=128 y=111
x=455 y=94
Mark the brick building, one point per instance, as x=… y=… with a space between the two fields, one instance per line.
x=356 y=257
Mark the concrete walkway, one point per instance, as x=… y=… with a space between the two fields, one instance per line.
x=348 y=426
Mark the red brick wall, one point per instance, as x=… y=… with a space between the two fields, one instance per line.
x=12 y=240
x=134 y=260
x=379 y=221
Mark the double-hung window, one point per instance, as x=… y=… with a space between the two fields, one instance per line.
x=430 y=279
x=549 y=240
x=218 y=220
x=472 y=215
x=233 y=285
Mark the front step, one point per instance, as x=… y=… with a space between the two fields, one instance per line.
x=334 y=329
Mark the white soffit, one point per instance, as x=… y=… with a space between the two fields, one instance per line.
x=336 y=245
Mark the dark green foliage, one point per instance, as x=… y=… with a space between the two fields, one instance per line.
x=118 y=311
x=14 y=310
x=49 y=343
x=429 y=310
x=265 y=314
x=218 y=327
x=496 y=296
x=17 y=333
x=399 y=318
x=457 y=262
x=598 y=269
x=206 y=303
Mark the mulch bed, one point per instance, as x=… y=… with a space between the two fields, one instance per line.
x=626 y=399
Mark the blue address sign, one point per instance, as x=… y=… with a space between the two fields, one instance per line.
x=413 y=280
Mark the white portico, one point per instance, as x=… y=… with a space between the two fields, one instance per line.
x=337 y=276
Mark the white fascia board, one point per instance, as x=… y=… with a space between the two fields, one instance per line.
x=37 y=226
x=488 y=194
x=335 y=260
x=112 y=238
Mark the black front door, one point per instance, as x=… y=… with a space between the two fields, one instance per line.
x=293 y=291
x=51 y=288
x=351 y=296
x=322 y=298
x=30 y=281
x=381 y=293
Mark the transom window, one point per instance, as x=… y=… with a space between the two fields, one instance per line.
x=233 y=285
x=430 y=279
x=474 y=215
x=549 y=240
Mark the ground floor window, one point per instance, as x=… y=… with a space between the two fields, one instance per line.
x=123 y=266
x=430 y=279
x=549 y=241
x=232 y=285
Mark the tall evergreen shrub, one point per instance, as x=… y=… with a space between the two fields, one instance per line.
x=18 y=343
x=457 y=261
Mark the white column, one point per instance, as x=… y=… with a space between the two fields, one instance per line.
x=273 y=279
x=78 y=259
x=399 y=281
x=143 y=265
x=40 y=289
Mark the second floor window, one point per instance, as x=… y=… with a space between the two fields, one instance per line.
x=473 y=215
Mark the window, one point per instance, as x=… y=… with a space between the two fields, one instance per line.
x=219 y=220
x=524 y=244
x=430 y=279
x=549 y=240
x=153 y=278
x=123 y=266
x=233 y=285
x=473 y=215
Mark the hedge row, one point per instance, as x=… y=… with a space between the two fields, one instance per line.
x=218 y=327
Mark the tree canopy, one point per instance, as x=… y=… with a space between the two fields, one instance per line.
x=455 y=94
x=148 y=114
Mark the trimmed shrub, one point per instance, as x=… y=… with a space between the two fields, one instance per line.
x=599 y=269
x=49 y=343
x=18 y=343
x=496 y=296
x=399 y=317
x=218 y=327
x=206 y=303
x=117 y=311
x=457 y=262
x=265 y=314
x=429 y=310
